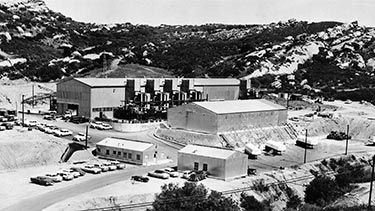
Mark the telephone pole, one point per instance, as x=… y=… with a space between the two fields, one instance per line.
x=372 y=179
x=347 y=139
x=304 y=158
x=23 y=110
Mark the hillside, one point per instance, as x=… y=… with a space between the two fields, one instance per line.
x=42 y=45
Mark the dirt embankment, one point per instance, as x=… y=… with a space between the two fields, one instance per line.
x=21 y=148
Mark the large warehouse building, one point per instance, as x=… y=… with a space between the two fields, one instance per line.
x=218 y=162
x=224 y=116
x=98 y=97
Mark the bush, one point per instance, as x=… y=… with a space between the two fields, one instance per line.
x=250 y=203
x=260 y=186
x=321 y=191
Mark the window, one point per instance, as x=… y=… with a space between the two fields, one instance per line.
x=98 y=149
x=196 y=166
x=205 y=166
x=107 y=152
x=125 y=154
x=130 y=155
x=138 y=157
x=114 y=152
x=119 y=153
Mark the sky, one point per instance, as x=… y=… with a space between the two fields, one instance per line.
x=197 y=12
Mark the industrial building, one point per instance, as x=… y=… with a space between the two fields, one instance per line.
x=99 y=97
x=218 y=162
x=224 y=116
x=129 y=151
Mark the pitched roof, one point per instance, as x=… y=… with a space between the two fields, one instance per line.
x=125 y=144
x=239 y=106
x=102 y=82
x=207 y=151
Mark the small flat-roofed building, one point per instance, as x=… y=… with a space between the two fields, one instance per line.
x=225 y=116
x=218 y=162
x=136 y=152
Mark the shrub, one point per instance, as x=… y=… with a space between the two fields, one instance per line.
x=250 y=203
x=260 y=186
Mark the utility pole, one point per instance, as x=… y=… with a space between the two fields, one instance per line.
x=372 y=179
x=32 y=90
x=304 y=158
x=347 y=139
x=87 y=135
x=23 y=110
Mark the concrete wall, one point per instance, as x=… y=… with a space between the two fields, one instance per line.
x=216 y=167
x=74 y=92
x=236 y=166
x=192 y=117
x=134 y=127
x=220 y=92
x=238 y=121
x=146 y=157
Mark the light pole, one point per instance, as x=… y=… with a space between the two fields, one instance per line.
x=347 y=139
x=23 y=110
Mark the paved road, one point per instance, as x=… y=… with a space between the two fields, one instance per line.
x=43 y=201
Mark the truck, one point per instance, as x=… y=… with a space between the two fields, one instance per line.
x=276 y=147
x=309 y=143
x=252 y=150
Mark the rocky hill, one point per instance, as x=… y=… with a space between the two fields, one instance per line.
x=43 y=45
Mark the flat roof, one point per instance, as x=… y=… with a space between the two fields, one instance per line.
x=214 y=81
x=125 y=144
x=207 y=151
x=239 y=106
x=102 y=82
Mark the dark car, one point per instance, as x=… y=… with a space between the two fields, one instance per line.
x=197 y=176
x=140 y=178
x=41 y=180
x=8 y=125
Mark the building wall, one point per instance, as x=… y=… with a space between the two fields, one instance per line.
x=216 y=167
x=73 y=92
x=192 y=117
x=238 y=121
x=236 y=166
x=220 y=92
x=146 y=157
x=104 y=99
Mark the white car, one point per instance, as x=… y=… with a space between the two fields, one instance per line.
x=31 y=123
x=104 y=126
x=65 y=175
x=186 y=174
x=50 y=129
x=2 y=128
x=81 y=137
x=91 y=169
x=55 y=177
x=96 y=124
x=63 y=132
x=74 y=173
x=102 y=167
x=118 y=164
x=110 y=166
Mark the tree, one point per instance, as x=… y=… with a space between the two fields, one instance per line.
x=321 y=191
x=191 y=197
x=250 y=203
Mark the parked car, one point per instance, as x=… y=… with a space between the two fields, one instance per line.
x=186 y=174
x=81 y=137
x=171 y=172
x=159 y=174
x=2 y=128
x=3 y=119
x=104 y=126
x=110 y=166
x=96 y=125
x=65 y=175
x=118 y=164
x=140 y=178
x=41 y=126
x=50 y=130
x=40 y=180
x=102 y=167
x=63 y=132
x=31 y=123
x=55 y=177
x=91 y=169
x=79 y=170
x=72 y=172
x=348 y=102
x=49 y=117
x=197 y=176
x=8 y=125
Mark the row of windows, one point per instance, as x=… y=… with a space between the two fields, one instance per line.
x=102 y=109
x=119 y=153
x=70 y=95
